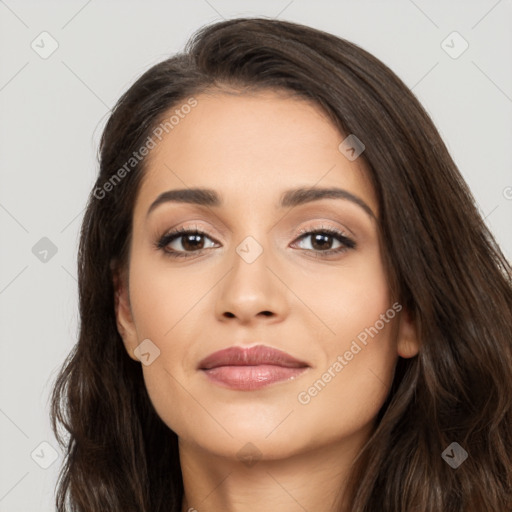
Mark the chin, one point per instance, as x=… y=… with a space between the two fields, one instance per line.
x=249 y=441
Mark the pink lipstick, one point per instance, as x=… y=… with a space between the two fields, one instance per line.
x=250 y=368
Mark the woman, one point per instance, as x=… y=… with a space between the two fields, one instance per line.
x=288 y=299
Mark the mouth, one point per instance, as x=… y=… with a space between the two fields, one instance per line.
x=251 y=368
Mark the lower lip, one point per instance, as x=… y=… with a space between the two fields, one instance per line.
x=248 y=378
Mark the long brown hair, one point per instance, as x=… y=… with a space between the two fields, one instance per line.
x=444 y=266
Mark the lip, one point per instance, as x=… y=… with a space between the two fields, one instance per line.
x=251 y=368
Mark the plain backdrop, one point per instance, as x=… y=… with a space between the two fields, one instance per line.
x=54 y=106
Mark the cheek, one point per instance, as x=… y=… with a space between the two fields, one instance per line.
x=161 y=298
x=346 y=299
x=165 y=306
x=356 y=369
x=346 y=393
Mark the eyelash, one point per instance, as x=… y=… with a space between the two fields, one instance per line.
x=166 y=239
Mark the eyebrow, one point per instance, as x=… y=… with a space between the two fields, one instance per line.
x=289 y=199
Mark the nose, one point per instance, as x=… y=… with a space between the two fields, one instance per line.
x=252 y=292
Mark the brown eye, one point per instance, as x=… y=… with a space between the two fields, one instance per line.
x=180 y=242
x=326 y=241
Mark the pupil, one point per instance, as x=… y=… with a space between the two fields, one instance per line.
x=318 y=238
x=192 y=241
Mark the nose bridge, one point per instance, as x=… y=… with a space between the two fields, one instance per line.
x=250 y=274
x=253 y=251
x=251 y=288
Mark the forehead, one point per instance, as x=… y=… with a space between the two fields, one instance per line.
x=254 y=146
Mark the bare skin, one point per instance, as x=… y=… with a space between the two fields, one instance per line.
x=299 y=444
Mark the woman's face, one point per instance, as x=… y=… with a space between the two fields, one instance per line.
x=254 y=276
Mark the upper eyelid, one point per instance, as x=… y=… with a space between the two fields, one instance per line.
x=303 y=232
x=193 y=228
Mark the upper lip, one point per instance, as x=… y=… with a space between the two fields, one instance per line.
x=253 y=356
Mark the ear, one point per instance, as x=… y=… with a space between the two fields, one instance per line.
x=408 y=343
x=124 y=317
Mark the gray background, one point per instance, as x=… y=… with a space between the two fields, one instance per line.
x=53 y=111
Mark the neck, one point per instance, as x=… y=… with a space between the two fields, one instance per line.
x=312 y=481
